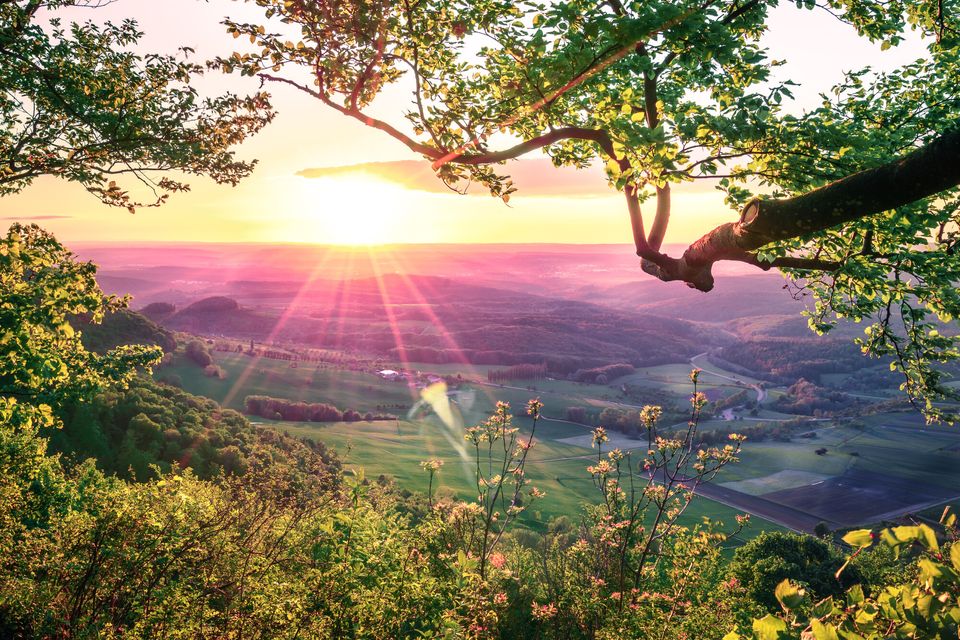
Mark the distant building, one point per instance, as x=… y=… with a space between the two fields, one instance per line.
x=388 y=374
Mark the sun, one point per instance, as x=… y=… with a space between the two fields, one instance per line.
x=354 y=210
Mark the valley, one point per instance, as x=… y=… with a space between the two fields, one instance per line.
x=819 y=449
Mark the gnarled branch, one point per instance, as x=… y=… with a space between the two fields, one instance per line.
x=924 y=172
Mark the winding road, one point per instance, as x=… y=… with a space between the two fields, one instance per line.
x=761 y=392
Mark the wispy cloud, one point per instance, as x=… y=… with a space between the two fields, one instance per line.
x=531 y=177
x=31 y=218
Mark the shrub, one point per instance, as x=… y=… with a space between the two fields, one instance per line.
x=198 y=353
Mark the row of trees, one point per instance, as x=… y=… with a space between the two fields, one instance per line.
x=757 y=431
x=518 y=372
x=604 y=374
x=291 y=410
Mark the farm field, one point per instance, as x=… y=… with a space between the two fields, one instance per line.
x=843 y=486
x=396 y=449
x=348 y=389
x=866 y=474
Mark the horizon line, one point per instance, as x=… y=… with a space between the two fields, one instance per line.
x=352 y=247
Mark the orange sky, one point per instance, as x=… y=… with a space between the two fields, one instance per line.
x=278 y=205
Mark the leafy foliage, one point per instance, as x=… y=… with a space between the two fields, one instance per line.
x=773 y=557
x=925 y=605
x=123 y=327
x=43 y=362
x=150 y=429
x=662 y=93
x=78 y=103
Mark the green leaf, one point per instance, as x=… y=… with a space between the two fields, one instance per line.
x=824 y=608
x=823 y=631
x=860 y=538
x=929 y=538
x=855 y=595
x=788 y=595
x=769 y=628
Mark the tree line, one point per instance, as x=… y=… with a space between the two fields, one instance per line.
x=294 y=411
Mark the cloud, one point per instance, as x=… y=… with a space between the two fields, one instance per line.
x=531 y=177
x=29 y=218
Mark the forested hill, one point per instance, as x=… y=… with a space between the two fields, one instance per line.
x=123 y=327
x=152 y=428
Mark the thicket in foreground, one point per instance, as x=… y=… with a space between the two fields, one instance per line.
x=283 y=546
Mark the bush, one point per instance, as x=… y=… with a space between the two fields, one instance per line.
x=764 y=562
x=214 y=371
x=198 y=353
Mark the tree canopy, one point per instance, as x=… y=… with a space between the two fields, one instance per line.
x=78 y=102
x=855 y=199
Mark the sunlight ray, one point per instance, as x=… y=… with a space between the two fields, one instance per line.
x=287 y=313
x=391 y=316
x=443 y=332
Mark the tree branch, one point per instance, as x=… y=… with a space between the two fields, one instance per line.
x=565 y=133
x=924 y=172
x=410 y=143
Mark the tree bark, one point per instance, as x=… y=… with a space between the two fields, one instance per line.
x=924 y=172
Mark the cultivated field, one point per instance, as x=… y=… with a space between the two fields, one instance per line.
x=876 y=467
x=396 y=449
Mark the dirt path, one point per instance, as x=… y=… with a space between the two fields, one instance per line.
x=761 y=393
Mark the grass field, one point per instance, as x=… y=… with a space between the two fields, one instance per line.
x=396 y=449
x=896 y=446
x=363 y=391
x=262 y=376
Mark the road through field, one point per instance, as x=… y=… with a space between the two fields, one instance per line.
x=761 y=393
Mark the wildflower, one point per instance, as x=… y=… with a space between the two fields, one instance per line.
x=537 y=493
x=543 y=611
x=432 y=465
x=500 y=599
x=523 y=446
x=498 y=560
x=695 y=375
x=599 y=436
x=698 y=400
x=650 y=415
x=602 y=468
x=534 y=407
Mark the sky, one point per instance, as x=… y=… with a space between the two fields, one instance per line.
x=315 y=182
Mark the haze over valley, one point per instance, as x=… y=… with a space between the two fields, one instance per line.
x=574 y=325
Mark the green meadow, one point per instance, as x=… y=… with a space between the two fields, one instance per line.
x=396 y=448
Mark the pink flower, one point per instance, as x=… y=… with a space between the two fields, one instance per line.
x=543 y=611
